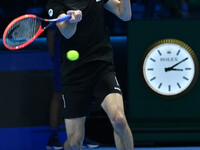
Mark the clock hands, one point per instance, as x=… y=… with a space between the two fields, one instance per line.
x=179 y=62
x=174 y=69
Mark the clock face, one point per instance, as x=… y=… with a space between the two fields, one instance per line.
x=170 y=67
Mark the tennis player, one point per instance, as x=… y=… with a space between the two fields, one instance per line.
x=92 y=76
x=53 y=42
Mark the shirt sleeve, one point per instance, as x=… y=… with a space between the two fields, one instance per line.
x=54 y=9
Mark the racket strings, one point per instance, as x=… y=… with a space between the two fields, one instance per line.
x=22 y=31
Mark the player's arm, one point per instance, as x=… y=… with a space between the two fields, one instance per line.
x=121 y=8
x=68 y=28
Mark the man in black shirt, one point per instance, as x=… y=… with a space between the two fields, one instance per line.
x=92 y=76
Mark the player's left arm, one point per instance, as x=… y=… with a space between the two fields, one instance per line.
x=121 y=8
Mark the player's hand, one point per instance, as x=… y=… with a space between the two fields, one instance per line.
x=76 y=16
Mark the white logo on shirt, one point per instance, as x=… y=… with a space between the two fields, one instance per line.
x=116 y=88
x=98 y=0
x=50 y=12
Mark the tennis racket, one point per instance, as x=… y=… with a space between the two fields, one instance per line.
x=25 y=29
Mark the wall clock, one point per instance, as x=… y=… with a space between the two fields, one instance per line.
x=170 y=68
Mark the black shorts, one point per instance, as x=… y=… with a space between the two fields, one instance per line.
x=90 y=82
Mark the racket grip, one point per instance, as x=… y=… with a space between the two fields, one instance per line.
x=64 y=18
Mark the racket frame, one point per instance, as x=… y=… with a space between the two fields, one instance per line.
x=40 y=29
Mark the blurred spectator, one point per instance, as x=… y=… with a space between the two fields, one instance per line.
x=36 y=7
x=160 y=10
x=177 y=8
x=150 y=6
x=149 y=9
x=10 y=9
x=194 y=8
x=184 y=9
x=15 y=8
x=138 y=10
x=114 y=24
x=142 y=9
x=174 y=7
x=2 y=12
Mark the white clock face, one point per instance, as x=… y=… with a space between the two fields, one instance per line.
x=168 y=69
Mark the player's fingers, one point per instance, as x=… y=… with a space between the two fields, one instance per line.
x=74 y=12
x=76 y=16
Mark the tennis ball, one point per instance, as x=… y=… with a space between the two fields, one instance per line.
x=72 y=55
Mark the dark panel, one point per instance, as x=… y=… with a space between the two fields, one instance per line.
x=25 y=97
x=154 y=119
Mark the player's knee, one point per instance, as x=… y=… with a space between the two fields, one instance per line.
x=119 y=122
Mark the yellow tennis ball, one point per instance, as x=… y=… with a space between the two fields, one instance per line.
x=72 y=55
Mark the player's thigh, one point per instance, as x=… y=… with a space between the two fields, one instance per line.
x=75 y=128
x=113 y=105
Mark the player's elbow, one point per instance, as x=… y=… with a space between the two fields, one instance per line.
x=126 y=17
x=67 y=36
x=65 y=32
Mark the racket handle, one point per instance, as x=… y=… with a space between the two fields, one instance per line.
x=64 y=18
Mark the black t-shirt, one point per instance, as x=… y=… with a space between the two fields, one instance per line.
x=91 y=39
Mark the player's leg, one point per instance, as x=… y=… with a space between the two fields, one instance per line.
x=54 y=119
x=76 y=104
x=75 y=129
x=107 y=91
x=55 y=107
x=113 y=106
